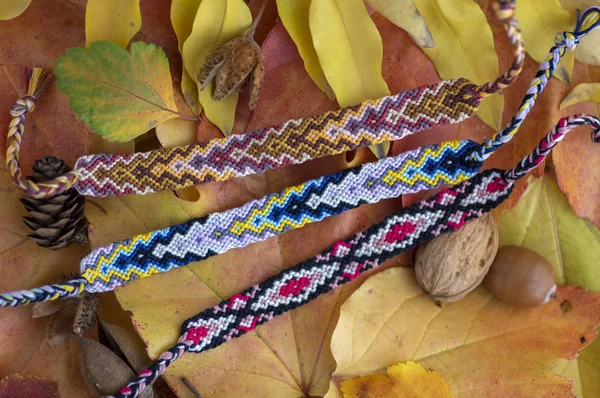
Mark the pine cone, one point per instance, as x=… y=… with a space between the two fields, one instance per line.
x=58 y=221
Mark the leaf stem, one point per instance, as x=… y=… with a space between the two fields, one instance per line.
x=186 y=117
x=250 y=33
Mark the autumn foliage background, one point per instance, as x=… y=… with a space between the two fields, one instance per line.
x=478 y=345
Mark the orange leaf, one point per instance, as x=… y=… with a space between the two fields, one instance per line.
x=479 y=345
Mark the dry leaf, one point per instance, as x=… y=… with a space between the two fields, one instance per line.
x=16 y=386
x=60 y=327
x=405 y=380
x=350 y=52
x=129 y=343
x=85 y=317
x=473 y=343
x=119 y=106
x=45 y=308
x=289 y=341
x=585 y=92
x=294 y=16
x=183 y=13
x=216 y=23
x=104 y=372
x=114 y=21
x=405 y=15
x=540 y=21
x=13 y=8
x=464 y=47
x=543 y=221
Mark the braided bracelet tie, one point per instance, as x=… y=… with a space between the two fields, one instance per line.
x=368 y=123
x=586 y=22
x=447 y=211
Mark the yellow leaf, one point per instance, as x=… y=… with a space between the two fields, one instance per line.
x=581 y=93
x=216 y=22
x=10 y=9
x=405 y=15
x=294 y=15
x=405 y=380
x=350 y=52
x=478 y=344
x=543 y=221
x=464 y=47
x=540 y=22
x=588 y=50
x=115 y=21
x=177 y=132
x=183 y=13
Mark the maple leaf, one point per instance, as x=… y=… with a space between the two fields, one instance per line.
x=544 y=222
x=472 y=343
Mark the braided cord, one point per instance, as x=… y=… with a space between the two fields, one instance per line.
x=551 y=139
x=586 y=22
x=70 y=289
x=198 y=239
x=37 y=84
x=296 y=141
x=505 y=12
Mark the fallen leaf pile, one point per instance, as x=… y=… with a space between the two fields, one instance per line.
x=127 y=73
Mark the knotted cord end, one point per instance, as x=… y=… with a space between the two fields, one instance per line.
x=586 y=22
x=504 y=9
x=505 y=12
x=37 y=82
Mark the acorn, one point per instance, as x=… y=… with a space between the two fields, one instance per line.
x=521 y=277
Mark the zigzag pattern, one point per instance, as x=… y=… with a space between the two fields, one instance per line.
x=160 y=251
x=371 y=122
x=447 y=211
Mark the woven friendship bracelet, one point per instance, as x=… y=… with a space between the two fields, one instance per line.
x=368 y=123
x=143 y=255
x=195 y=240
x=447 y=211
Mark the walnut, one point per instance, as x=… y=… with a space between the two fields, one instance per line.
x=453 y=264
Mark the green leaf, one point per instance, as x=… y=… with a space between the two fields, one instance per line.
x=540 y=22
x=405 y=15
x=350 y=52
x=216 y=23
x=464 y=47
x=115 y=21
x=117 y=94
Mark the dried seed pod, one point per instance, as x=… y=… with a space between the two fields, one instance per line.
x=521 y=277
x=453 y=264
x=234 y=63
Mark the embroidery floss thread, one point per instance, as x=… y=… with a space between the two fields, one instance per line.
x=160 y=251
x=447 y=211
x=368 y=123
